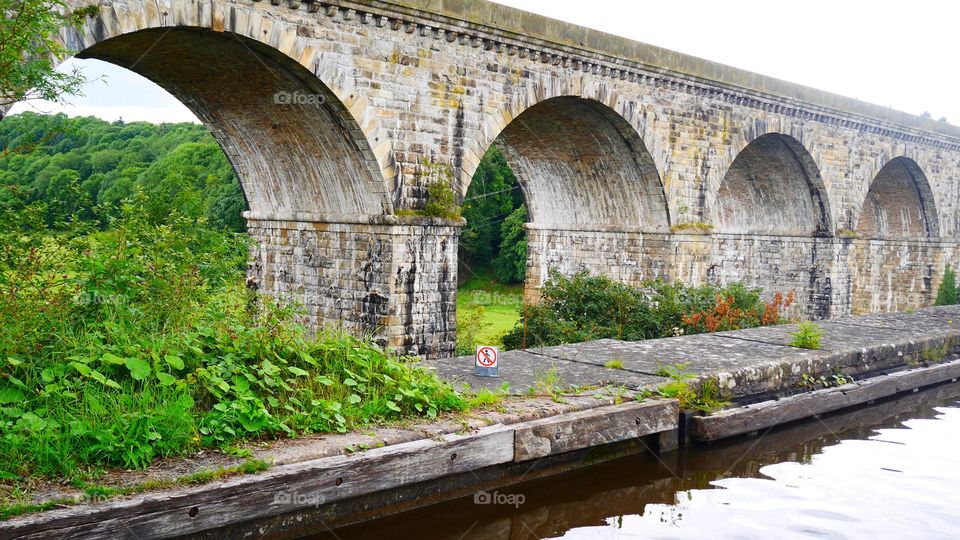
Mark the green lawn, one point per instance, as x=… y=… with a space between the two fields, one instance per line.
x=501 y=304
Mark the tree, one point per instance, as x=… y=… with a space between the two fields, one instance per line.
x=947 y=292
x=29 y=50
x=494 y=194
x=89 y=167
x=511 y=264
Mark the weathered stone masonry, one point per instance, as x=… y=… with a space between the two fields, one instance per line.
x=635 y=161
x=393 y=281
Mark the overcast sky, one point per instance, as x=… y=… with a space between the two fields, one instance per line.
x=900 y=54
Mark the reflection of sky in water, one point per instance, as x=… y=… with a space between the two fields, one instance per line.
x=900 y=483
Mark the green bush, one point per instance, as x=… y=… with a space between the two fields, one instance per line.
x=947 y=292
x=585 y=307
x=121 y=346
x=441 y=200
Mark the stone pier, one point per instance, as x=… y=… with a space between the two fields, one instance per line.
x=391 y=280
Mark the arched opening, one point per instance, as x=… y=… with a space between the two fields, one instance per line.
x=894 y=267
x=584 y=182
x=899 y=204
x=772 y=217
x=580 y=164
x=312 y=186
x=292 y=143
x=773 y=187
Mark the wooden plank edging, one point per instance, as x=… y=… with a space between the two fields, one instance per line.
x=749 y=418
x=583 y=429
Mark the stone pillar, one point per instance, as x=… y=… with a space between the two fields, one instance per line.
x=391 y=279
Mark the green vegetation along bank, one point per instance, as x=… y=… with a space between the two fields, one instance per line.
x=121 y=346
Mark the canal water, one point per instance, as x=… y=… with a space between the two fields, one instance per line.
x=891 y=470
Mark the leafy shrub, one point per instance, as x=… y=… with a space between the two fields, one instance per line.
x=947 y=291
x=807 y=336
x=585 y=307
x=441 y=201
x=121 y=346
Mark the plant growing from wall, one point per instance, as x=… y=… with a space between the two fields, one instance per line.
x=441 y=199
x=947 y=292
x=705 y=395
x=807 y=336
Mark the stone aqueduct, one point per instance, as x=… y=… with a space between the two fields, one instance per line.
x=635 y=161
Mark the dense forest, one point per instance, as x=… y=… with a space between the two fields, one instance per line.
x=85 y=167
x=494 y=238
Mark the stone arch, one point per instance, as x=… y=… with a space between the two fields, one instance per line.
x=298 y=147
x=899 y=204
x=581 y=164
x=773 y=187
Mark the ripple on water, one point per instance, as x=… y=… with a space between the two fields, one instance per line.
x=898 y=483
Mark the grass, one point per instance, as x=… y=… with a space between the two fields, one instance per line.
x=548 y=382
x=502 y=304
x=706 y=396
x=484 y=398
x=614 y=364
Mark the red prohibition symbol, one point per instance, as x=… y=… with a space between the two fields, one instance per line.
x=487 y=356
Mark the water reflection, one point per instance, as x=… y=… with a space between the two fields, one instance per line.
x=888 y=471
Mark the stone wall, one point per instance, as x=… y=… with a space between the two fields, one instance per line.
x=896 y=275
x=392 y=282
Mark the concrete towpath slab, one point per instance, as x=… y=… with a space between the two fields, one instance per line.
x=751 y=362
x=524 y=370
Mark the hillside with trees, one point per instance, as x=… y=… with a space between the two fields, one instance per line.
x=85 y=167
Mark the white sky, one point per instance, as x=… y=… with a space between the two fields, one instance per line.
x=900 y=54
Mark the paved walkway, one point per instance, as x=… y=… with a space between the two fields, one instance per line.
x=748 y=362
